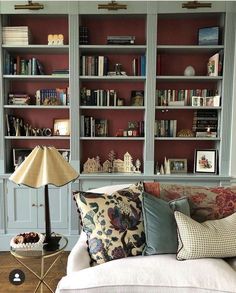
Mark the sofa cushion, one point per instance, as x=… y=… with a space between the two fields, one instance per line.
x=159 y=223
x=213 y=238
x=206 y=203
x=153 y=274
x=113 y=223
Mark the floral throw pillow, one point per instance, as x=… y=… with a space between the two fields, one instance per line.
x=113 y=223
x=206 y=203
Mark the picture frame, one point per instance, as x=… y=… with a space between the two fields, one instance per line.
x=61 y=127
x=137 y=98
x=208 y=35
x=205 y=161
x=198 y=101
x=65 y=154
x=178 y=166
x=19 y=155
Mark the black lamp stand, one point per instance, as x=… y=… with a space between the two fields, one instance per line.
x=51 y=242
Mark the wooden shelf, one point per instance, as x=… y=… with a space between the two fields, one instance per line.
x=41 y=107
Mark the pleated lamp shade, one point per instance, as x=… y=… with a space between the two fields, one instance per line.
x=44 y=165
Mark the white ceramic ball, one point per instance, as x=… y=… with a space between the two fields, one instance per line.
x=189 y=71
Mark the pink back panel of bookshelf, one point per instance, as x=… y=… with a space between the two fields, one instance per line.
x=30 y=144
x=186 y=85
x=46 y=24
x=175 y=64
x=181 y=30
x=94 y=148
x=180 y=150
x=115 y=26
x=184 y=118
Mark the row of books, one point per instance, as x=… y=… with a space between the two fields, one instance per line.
x=90 y=127
x=16 y=35
x=165 y=128
x=98 y=97
x=55 y=96
x=19 y=66
x=139 y=66
x=181 y=97
x=205 y=123
x=94 y=65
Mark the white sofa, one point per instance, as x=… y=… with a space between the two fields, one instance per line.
x=157 y=273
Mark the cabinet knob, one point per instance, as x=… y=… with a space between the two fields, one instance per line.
x=41 y=205
x=34 y=205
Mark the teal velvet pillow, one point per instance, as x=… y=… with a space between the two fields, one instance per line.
x=160 y=225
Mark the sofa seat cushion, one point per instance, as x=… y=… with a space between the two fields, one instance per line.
x=155 y=273
x=206 y=203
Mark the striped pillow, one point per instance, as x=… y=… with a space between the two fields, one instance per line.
x=213 y=238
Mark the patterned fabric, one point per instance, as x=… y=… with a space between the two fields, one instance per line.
x=113 y=223
x=207 y=203
x=214 y=238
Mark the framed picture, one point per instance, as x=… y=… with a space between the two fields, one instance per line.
x=197 y=101
x=61 y=127
x=19 y=156
x=208 y=35
x=65 y=154
x=137 y=98
x=205 y=161
x=178 y=166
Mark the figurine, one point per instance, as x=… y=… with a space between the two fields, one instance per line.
x=17 y=126
x=138 y=165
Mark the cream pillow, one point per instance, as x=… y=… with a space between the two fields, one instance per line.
x=213 y=238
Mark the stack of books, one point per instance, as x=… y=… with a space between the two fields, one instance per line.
x=205 y=123
x=165 y=128
x=18 y=99
x=120 y=40
x=16 y=35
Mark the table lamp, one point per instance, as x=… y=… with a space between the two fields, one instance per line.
x=43 y=166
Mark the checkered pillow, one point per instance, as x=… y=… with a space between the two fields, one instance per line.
x=213 y=238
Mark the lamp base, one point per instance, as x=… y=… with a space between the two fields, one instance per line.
x=52 y=243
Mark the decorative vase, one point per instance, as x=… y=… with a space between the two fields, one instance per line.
x=189 y=71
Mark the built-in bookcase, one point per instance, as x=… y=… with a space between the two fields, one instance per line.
x=118 y=116
x=50 y=57
x=177 y=48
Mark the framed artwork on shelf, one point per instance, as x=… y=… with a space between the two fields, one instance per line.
x=208 y=35
x=61 y=127
x=65 y=154
x=137 y=98
x=19 y=156
x=197 y=101
x=178 y=166
x=205 y=161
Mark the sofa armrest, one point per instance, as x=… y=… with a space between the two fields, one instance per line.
x=79 y=258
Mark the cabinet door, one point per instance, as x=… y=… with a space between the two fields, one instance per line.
x=22 y=211
x=58 y=207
